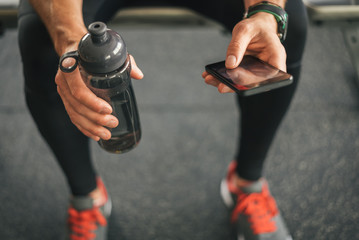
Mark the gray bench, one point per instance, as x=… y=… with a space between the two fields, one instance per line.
x=161 y=16
x=342 y=12
x=8 y=14
x=131 y=16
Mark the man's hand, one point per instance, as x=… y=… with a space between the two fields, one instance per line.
x=256 y=36
x=90 y=114
x=64 y=22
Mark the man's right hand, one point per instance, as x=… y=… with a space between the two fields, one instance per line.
x=90 y=114
x=256 y=36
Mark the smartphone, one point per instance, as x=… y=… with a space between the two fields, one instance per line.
x=252 y=76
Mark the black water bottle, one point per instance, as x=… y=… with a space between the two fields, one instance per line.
x=105 y=67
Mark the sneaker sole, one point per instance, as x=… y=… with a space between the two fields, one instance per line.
x=107 y=208
x=241 y=237
x=228 y=201
x=226 y=195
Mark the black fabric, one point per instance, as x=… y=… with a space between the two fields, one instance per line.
x=40 y=63
x=261 y=114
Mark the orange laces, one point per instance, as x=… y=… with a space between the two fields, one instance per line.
x=84 y=223
x=260 y=208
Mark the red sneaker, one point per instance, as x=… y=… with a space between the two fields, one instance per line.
x=86 y=221
x=253 y=209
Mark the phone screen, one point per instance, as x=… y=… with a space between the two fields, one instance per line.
x=252 y=76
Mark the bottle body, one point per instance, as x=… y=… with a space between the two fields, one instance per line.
x=116 y=89
x=105 y=67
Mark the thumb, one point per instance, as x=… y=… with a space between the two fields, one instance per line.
x=236 y=49
x=136 y=72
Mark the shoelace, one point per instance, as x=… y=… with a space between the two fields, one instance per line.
x=260 y=209
x=84 y=223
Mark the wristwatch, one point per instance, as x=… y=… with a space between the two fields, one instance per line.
x=277 y=11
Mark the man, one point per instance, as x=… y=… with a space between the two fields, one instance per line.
x=68 y=114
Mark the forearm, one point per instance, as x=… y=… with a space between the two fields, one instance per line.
x=63 y=20
x=248 y=3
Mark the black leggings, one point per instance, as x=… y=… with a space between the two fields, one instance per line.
x=260 y=114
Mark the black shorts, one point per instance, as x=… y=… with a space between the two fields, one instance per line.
x=36 y=45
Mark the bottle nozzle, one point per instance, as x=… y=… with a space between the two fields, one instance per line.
x=98 y=32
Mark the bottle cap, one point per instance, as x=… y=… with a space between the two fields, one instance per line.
x=102 y=50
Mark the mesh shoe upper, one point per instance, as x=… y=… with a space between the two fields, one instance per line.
x=86 y=221
x=253 y=209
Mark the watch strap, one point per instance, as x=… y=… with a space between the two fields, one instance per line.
x=278 y=12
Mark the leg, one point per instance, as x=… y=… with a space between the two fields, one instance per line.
x=70 y=147
x=254 y=210
x=262 y=114
x=40 y=63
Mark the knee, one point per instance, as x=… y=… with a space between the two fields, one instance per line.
x=39 y=60
x=296 y=38
x=32 y=35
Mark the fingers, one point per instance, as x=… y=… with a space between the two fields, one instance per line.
x=241 y=37
x=78 y=90
x=278 y=57
x=88 y=134
x=256 y=36
x=210 y=80
x=136 y=72
x=75 y=107
x=87 y=112
x=74 y=83
x=86 y=126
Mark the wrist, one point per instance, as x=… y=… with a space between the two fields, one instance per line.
x=67 y=40
x=279 y=14
x=267 y=20
x=63 y=20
